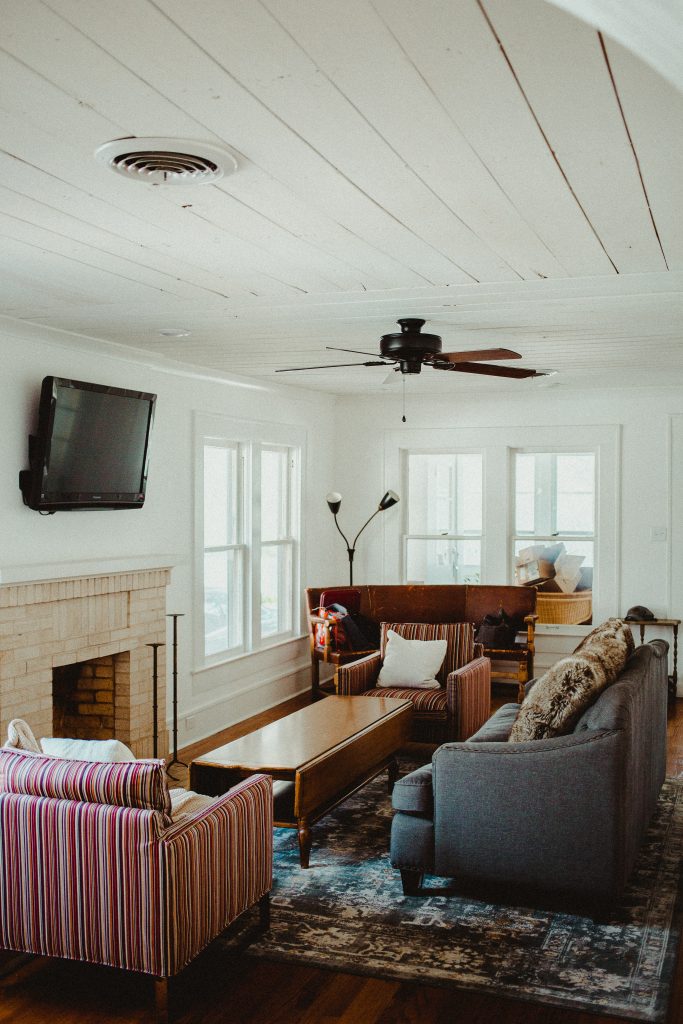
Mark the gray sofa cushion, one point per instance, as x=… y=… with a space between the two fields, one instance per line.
x=413 y=793
x=497 y=728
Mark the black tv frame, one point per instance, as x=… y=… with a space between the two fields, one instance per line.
x=31 y=480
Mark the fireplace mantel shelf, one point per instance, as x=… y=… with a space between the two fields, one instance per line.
x=43 y=571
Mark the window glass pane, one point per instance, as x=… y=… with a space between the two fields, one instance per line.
x=554 y=493
x=276 y=589
x=222 y=601
x=274 y=493
x=443 y=561
x=575 y=493
x=525 y=488
x=469 y=494
x=220 y=496
x=444 y=493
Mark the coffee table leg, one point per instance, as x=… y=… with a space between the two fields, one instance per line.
x=305 y=840
x=392 y=775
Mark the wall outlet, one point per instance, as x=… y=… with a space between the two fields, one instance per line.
x=190 y=722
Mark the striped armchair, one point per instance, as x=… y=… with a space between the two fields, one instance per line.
x=92 y=867
x=455 y=711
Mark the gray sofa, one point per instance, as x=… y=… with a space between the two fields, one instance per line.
x=566 y=815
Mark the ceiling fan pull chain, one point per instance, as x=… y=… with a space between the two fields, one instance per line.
x=403 y=381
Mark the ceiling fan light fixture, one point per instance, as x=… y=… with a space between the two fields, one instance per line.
x=409 y=350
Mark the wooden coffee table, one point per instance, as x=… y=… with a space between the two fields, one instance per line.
x=321 y=754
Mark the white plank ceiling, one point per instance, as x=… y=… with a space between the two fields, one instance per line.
x=501 y=169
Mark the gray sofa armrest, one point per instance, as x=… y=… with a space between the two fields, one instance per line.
x=413 y=793
x=546 y=812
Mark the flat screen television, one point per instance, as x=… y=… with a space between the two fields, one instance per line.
x=92 y=447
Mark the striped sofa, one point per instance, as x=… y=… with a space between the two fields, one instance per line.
x=453 y=712
x=92 y=867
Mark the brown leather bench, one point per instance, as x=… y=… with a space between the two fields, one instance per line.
x=436 y=603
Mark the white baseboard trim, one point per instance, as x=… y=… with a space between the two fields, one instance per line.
x=296 y=680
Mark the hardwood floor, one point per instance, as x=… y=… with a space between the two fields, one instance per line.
x=244 y=991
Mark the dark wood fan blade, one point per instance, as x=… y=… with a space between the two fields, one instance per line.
x=490 y=371
x=485 y=353
x=335 y=348
x=330 y=366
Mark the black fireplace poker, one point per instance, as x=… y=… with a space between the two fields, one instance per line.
x=155 y=697
x=175 y=759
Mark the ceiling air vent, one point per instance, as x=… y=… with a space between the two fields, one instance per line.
x=167 y=161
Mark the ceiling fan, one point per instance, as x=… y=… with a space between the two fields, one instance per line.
x=410 y=350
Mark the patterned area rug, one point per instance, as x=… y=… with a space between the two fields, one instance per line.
x=348 y=913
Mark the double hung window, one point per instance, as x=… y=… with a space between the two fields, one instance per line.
x=555 y=505
x=250 y=546
x=443 y=517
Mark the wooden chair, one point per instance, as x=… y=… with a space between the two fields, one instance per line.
x=323 y=647
x=521 y=652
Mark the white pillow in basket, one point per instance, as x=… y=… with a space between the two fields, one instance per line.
x=411 y=663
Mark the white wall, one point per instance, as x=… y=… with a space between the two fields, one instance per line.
x=639 y=569
x=355 y=454
x=162 y=532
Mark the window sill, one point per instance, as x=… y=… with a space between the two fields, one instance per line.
x=232 y=659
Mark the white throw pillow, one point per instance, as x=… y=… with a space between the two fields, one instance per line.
x=86 y=750
x=412 y=663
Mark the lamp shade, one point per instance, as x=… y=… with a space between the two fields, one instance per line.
x=389 y=499
x=334 y=500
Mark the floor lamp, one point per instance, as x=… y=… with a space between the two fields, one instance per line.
x=334 y=501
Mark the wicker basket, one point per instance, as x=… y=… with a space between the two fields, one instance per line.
x=567 y=609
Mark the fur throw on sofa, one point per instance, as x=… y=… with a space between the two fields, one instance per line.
x=558 y=699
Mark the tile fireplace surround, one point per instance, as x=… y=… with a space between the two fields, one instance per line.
x=53 y=623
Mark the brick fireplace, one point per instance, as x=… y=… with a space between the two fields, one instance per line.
x=74 y=660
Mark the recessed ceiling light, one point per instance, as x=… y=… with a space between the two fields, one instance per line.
x=173 y=332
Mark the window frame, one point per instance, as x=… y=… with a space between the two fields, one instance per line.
x=497 y=441
x=289 y=540
x=250 y=438
x=406 y=537
x=553 y=538
x=240 y=544
x=558 y=535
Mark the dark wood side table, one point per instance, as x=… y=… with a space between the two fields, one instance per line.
x=674 y=624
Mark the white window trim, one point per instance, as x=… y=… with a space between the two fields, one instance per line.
x=210 y=428
x=497 y=444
